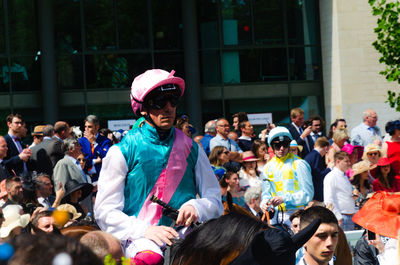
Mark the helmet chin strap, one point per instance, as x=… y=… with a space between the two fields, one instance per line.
x=163 y=134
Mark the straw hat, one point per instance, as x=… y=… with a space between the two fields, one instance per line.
x=249 y=156
x=13 y=219
x=372 y=148
x=69 y=208
x=361 y=167
x=293 y=143
x=38 y=130
x=381 y=214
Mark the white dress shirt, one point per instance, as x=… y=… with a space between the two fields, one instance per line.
x=338 y=191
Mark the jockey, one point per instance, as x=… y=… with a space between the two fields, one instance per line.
x=287 y=180
x=154 y=159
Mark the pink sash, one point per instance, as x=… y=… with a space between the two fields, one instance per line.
x=169 y=179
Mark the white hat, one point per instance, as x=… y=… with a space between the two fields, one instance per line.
x=13 y=219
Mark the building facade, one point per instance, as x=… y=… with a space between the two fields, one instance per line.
x=64 y=59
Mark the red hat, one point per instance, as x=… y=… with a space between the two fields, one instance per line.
x=384 y=161
x=381 y=214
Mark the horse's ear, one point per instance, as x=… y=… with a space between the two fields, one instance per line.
x=229 y=201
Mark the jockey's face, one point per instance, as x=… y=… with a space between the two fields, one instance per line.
x=165 y=117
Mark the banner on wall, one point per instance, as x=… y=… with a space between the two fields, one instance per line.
x=260 y=118
x=115 y=125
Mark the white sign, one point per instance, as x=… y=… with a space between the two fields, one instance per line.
x=115 y=125
x=260 y=118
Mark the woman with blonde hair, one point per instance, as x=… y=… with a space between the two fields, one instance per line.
x=340 y=136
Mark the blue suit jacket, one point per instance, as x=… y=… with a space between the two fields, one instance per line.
x=318 y=172
x=103 y=144
x=12 y=160
x=296 y=136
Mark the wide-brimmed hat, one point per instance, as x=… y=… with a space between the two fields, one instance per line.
x=249 y=156
x=71 y=209
x=381 y=214
x=274 y=246
x=361 y=167
x=293 y=143
x=73 y=185
x=384 y=161
x=13 y=219
x=38 y=130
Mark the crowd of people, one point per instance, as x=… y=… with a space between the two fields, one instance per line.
x=99 y=184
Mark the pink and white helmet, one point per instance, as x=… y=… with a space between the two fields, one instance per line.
x=143 y=84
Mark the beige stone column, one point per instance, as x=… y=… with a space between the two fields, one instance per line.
x=350 y=63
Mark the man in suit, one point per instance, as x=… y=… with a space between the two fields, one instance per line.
x=17 y=156
x=316 y=160
x=40 y=160
x=54 y=151
x=252 y=197
x=94 y=146
x=298 y=133
x=69 y=168
x=3 y=153
x=44 y=190
x=317 y=125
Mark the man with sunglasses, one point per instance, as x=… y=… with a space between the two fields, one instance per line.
x=287 y=180
x=154 y=159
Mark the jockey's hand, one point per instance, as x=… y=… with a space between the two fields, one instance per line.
x=187 y=215
x=160 y=234
x=275 y=201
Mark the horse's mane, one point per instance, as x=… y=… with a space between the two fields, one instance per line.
x=216 y=240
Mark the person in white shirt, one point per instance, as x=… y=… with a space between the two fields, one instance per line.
x=338 y=191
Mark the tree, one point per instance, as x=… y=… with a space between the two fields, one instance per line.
x=388 y=43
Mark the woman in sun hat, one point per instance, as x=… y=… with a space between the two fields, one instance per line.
x=295 y=148
x=248 y=174
x=14 y=221
x=361 y=186
x=381 y=215
x=386 y=179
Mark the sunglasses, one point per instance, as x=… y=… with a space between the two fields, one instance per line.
x=278 y=145
x=372 y=154
x=81 y=159
x=160 y=101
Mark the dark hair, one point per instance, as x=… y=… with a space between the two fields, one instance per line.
x=387 y=183
x=217 y=239
x=256 y=145
x=357 y=182
x=334 y=124
x=391 y=127
x=41 y=249
x=181 y=121
x=242 y=116
x=317 y=212
x=296 y=214
x=9 y=181
x=11 y=116
x=242 y=124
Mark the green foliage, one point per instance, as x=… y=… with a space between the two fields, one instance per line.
x=388 y=43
